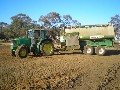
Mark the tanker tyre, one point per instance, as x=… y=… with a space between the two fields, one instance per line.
x=21 y=51
x=47 y=48
x=100 y=51
x=88 y=50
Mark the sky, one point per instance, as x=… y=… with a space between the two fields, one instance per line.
x=87 y=12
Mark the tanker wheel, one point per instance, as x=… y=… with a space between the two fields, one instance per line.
x=21 y=51
x=47 y=48
x=100 y=51
x=88 y=50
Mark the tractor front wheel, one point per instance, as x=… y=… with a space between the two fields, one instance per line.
x=47 y=48
x=21 y=51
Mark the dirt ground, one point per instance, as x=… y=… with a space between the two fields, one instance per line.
x=65 y=71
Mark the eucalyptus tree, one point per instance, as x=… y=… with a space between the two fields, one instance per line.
x=50 y=20
x=20 y=23
x=115 y=20
x=3 y=28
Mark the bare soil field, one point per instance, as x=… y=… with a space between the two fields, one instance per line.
x=65 y=71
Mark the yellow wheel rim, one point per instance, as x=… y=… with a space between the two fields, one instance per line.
x=23 y=52
x=47 y=48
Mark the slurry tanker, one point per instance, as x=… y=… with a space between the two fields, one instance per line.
x=90 y=39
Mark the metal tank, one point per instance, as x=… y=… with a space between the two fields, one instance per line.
x=93 y=31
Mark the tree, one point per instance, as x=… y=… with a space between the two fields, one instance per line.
x=68 y=21
x=34 y=24
x=50 y=20
x=3 y=26
x=54 y=21
x=116 y=23
x=22 y=17
x=75 y=23
x=21 y=23
x=22 y=20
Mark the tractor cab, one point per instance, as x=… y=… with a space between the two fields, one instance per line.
x=37 y=35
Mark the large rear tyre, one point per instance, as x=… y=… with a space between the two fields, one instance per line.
x=21 y=51
x=100 y=51
x=88 y=50
x=47 y=48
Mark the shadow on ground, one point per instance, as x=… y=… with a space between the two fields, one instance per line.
x=112 y=52
x=108 y=52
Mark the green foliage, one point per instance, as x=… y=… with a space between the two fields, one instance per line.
x=115 y=20
x=2 y=29
x=53 y=21
x=50 y=20
x=20 y=23
x=62 y=32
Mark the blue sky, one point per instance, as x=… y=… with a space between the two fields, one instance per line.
x=85 y=11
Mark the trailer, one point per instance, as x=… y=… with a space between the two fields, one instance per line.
x=90 y=39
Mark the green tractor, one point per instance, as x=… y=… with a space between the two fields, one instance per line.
x=37 y=41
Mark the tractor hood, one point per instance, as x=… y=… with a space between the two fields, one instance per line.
x=20 y=41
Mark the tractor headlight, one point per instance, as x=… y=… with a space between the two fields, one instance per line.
x=11 y=44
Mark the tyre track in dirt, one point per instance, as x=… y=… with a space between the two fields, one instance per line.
x=112 y=79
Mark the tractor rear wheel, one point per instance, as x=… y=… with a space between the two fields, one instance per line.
x=88 y=50
x=21 y=51
x=47 y=48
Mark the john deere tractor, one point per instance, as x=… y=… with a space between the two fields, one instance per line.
x=37 y=41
